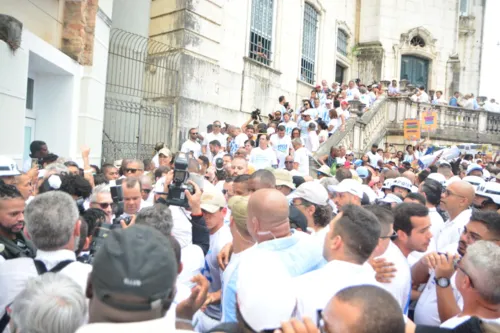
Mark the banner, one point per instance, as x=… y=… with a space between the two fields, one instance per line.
x=411 y=129
x=429 y=120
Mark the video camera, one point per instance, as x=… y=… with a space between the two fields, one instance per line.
x=176 y=195
x=118 y=206
x=256 y=115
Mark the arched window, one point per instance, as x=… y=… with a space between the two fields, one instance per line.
x=417 y=41
x=342 y=42
x=261 y=31
x=309 y=35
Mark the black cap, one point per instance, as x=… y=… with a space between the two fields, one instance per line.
x=137 y=261
x=298 y=180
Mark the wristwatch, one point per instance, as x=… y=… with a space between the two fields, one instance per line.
x=442 y=282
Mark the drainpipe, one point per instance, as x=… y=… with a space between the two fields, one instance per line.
x=481 y=48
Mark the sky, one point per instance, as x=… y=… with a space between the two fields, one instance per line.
x=490 y=67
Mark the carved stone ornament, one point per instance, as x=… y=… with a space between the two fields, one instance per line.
x=10 y=31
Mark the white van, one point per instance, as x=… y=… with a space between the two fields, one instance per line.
x=473 y=148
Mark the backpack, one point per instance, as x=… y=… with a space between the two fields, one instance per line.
x=41 y=269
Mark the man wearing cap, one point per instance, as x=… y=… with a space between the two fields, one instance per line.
x=475 y=169
x=303 y=124
x=343 y=113
x=8 y=170
x=345 y=256
x=348 y=192
x=487 y=196
x=213 y=206
x=284 y=181
x=241 y=242
x=132 y=284
x=401 y=186
x=311 y=198
x=323 y=172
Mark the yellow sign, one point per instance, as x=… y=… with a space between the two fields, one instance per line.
x=411 y=129
x=429 y=120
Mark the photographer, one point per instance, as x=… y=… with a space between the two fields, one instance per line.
x=189 y=224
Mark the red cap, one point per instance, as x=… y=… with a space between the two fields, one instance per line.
x=344 y=102
x=318 y=86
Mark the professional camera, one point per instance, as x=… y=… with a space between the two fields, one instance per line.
x=256 y=115
x=176 y=195
x=117 y=196
x=220 y=173
x=98 y=238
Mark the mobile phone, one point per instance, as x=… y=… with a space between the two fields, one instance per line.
x=34 y=162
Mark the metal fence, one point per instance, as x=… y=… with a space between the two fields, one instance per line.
x=141 y=82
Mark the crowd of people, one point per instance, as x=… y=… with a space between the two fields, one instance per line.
x=238 y=232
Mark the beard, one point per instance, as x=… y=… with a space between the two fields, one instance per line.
x=13 y=229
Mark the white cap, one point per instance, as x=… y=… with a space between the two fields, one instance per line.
x=474 y=181
x=313 y=192
x=212 y=201
x=392 y=198
x=8 y=167
x=306 y=113
x=388 y=184
x=473 y=167
x=270 y=130
x=350 y=186
x=402 y=182
x=264 y=291
x=490 y=190
x=438 y=177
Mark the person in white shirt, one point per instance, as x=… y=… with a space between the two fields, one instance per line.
x=456 y=201
x=373 y=93
x=439 y=99
x=238 y=139
x=364 y=97
x=282 y=145
x=312 y=142
x=478 y=282
x=412 y=226
x=53 y=223
x=132 y=197
x=343 y=113
x=393 y=88
x=352 y=92
x=263 y=156
x=215 y=135
x=304 y=124
x=421 y=95
x=300 y=157
x=374 y=156
x=192 y=145
x=216 y=151
x=213 y=205
x=335 y=121
x=288 y=123
x=345 y=260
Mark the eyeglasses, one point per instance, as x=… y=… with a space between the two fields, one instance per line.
x=147 y=190
x=104 y=205
x=288 y=162
x=216 y=125
x=392 y=237
x=132 y=170
x=449 y=193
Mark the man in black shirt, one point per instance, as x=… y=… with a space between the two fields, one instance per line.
x=13 y=244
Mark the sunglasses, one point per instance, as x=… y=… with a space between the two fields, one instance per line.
x=288 y=162
x=147 y=190
x=216 y=125
x=104 y=205
x=392 y=237
x=132 y=170
x=194 y=133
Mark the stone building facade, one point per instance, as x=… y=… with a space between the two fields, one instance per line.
x=236 y=56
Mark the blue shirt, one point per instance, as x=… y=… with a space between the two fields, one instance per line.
x=300 y=253
x=453 y=101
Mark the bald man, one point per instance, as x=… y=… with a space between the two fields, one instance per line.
x=456 y=200
x=272 y=232
x=261 y=179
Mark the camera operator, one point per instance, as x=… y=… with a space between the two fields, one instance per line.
x=189 y=225
x=12 y=239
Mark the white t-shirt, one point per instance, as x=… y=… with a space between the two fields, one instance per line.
x=312 y=141
x=335 y=122
x=319 y=286
x=289 y=126
x=400 y=286
x=437 y=224
x=193 y=261
x=282 y=148
x=451 y=231
x=374 y=158
x=212 y=270
x=240 y=139
x=220 y=154
x=304 y=126
x=211 y=137
x=193 y=146
x=263 y=158
x=426 y=311
x=457 y=321
x=341 y=112
x=182 y=230
x=352 y=93
x=301 y=157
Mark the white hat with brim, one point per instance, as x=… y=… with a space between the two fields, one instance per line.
x=284 y=178
x=212 y=201
x=324 y=169
x=313 y=192
x=348 y=186
x=8 y=167
x=392 y=198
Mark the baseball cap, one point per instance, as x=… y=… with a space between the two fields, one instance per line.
x=474 y=180
x=344 y=102
x=165 y=151
x=239 y=209
x=284 y=178
x=392 y=198
x=474 y=167
x=264 y=291
x=212 y=201
x=138 y=261
x=490 y=190
x=362 y=172
x=118 y=163
x=402 y=182
x=306 y=113
x=437 y=177
x=351 y=186
x=324 y=169
x=388 y=184
x=8 y=167
x=313 y=192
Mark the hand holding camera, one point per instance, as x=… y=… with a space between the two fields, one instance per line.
x=194 y=199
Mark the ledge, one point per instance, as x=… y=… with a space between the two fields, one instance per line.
x=256 y=63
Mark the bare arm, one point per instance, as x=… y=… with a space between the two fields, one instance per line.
x=87 y=170
x=447 y=304
x=244 y=126
x=322 y=159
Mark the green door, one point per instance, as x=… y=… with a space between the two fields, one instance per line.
x=415 y=70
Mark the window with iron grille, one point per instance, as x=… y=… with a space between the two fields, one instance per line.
x=261 y=31
x=342 y=42
x=464 y=7
x=309 y=44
